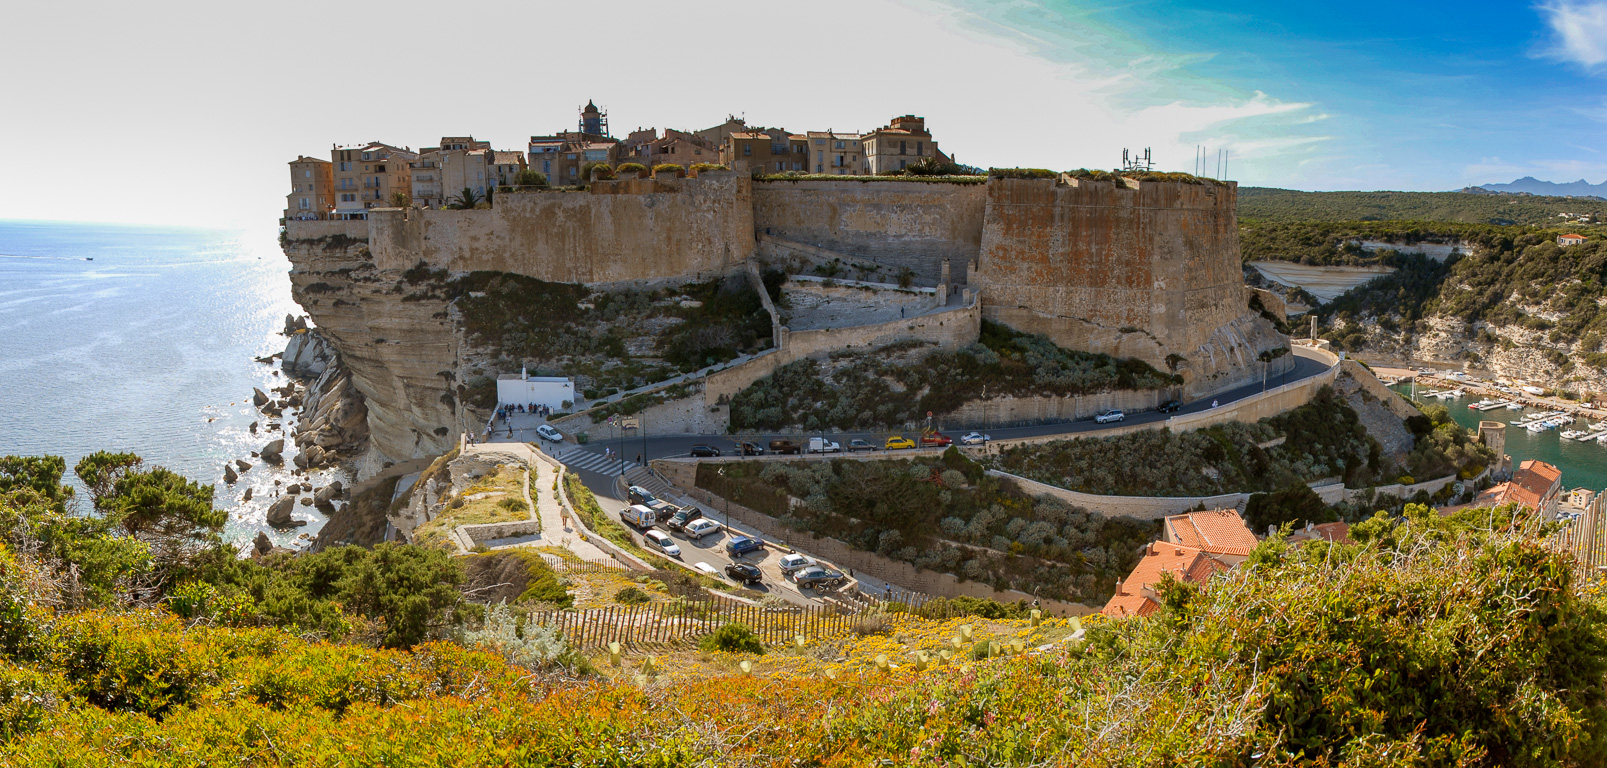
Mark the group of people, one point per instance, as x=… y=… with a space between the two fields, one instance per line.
x=540 y=410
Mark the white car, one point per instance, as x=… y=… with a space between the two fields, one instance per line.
x=701 y=527
x=794 y=562
x=662 y=542
x=975 y=438
x=551 y=433
x=1110 y=416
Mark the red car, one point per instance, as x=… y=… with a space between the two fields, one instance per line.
x=936 y=440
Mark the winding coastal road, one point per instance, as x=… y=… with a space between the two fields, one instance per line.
x=633 y=450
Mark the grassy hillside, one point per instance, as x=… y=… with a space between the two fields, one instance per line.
x=1458 y=641
x=1291 y=205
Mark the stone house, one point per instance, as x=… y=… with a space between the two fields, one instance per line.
x=365 y=176
x=901 y=143
x=841 y=154
x=312 y=193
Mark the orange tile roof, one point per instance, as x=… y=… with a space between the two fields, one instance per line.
x=1220 y=531
x=1324 y=532
x=1184 y=563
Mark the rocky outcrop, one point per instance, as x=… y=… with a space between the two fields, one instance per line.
x=279 y=513
x=271 y=452
x=397 y=350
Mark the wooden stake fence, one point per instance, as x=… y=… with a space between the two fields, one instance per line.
x=679 y=623
x=1586 y=537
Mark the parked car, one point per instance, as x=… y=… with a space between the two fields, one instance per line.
x=822 y=445
x=550 y=432
x=898 y=442
x=817 y=576
x=743 y=573
x=857 y=444
x=751 y=449
x=795 y=562
x=638 y=515
x=935 y=440
x=1170 y=406
x=639 y=495
x=662 y=542
x=1110 y=416
x=699 y=528
x=684 y=517
x=974 y=438
x=742 y=545
x=785 y=446
x=705 y=451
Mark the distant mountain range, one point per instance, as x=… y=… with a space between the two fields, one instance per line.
x=1530 y=185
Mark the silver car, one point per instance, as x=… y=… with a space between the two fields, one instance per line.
x=1110 y=416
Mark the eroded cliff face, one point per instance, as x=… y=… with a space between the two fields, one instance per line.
x=1132 y=269
x=397 y=341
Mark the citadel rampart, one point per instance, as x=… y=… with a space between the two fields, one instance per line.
x=641 y=229
x=899 y=224
x=1141 y=269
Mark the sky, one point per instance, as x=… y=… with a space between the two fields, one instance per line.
x=187 y=113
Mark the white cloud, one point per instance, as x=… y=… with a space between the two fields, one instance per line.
x=1581 y=32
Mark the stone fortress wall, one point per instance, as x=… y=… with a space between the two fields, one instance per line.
x=1142 y=269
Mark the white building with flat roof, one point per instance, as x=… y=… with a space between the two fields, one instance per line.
x=521 y=388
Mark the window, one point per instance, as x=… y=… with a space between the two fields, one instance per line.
x=820 y=157
x=345 y=166
x=901 y=165
x=747 y=149
x=920 y=148
x=839 y=145
x=820 y=142
x=308 y=172
x=304 y=204
x=819 y=168
x=903 y=149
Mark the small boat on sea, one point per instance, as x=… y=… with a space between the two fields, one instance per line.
x=1513 y=405
x=1575 y=434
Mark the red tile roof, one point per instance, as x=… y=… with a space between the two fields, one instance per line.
x=1533 y=483
x=1220 y=531
x=1135 y=595
x=1323 y=532
x=1572 y=237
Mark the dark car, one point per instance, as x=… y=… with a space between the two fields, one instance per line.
x=639 y=495
x=1170 y=406
x=742 y=573
x=751 y=449
x=705 y=450
x=817 y=576
x=857 y=444
x=785 y=447
x=742 y=545
x=687 y=514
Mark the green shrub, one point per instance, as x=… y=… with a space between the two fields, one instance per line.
x=678 y=170
x=631 y=596
x=530 y=178
x=731 y=638
x=630 y=170
x=1022 y=173
x=701 y=167
x=604 y=171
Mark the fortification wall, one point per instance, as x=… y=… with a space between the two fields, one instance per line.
x=1014 y=411
x=900 y=224
x=949 y=329
x=1128 y=268
x=319 y=229
x=643 y=229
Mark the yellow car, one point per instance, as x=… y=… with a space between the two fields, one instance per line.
x=897 y=442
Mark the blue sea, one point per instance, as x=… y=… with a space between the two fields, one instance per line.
x=142 y=339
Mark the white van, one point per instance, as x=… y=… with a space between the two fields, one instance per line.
x=822 y=445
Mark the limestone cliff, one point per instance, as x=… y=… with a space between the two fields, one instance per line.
x=399 y=346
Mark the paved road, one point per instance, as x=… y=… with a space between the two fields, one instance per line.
x=598 y=473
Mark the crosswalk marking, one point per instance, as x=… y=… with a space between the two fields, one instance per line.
x=592 y=461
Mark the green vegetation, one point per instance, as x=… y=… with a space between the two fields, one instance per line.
x=1325 y=439
x=630 y=170
x=731 y=638
x=884 y=389
x=943 y=514
x=519 y=575
x=1291 y=206
x=698 y=168
x=530 y=178
x=495 y=491
x=565 y=326
x=678 y=170
x=801 y=176
x=1338 y=243
x=631 y=596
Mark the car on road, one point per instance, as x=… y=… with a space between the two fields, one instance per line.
x=742 y=545
x=699 y=528
x=1170 y=406
x=899 y=442
x=639 y=495
x=935 y=440
x=785 y=446
x=550 y=432
x=638 y=515
x=743 y=573
x=662 y=542
x=751 y=449
x=857 y=444
x=705 y=451
x=822 y=445
x=974 y=438
x=817 y=576
x=684 y=517
x=1110 y=416
x=795 y=562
